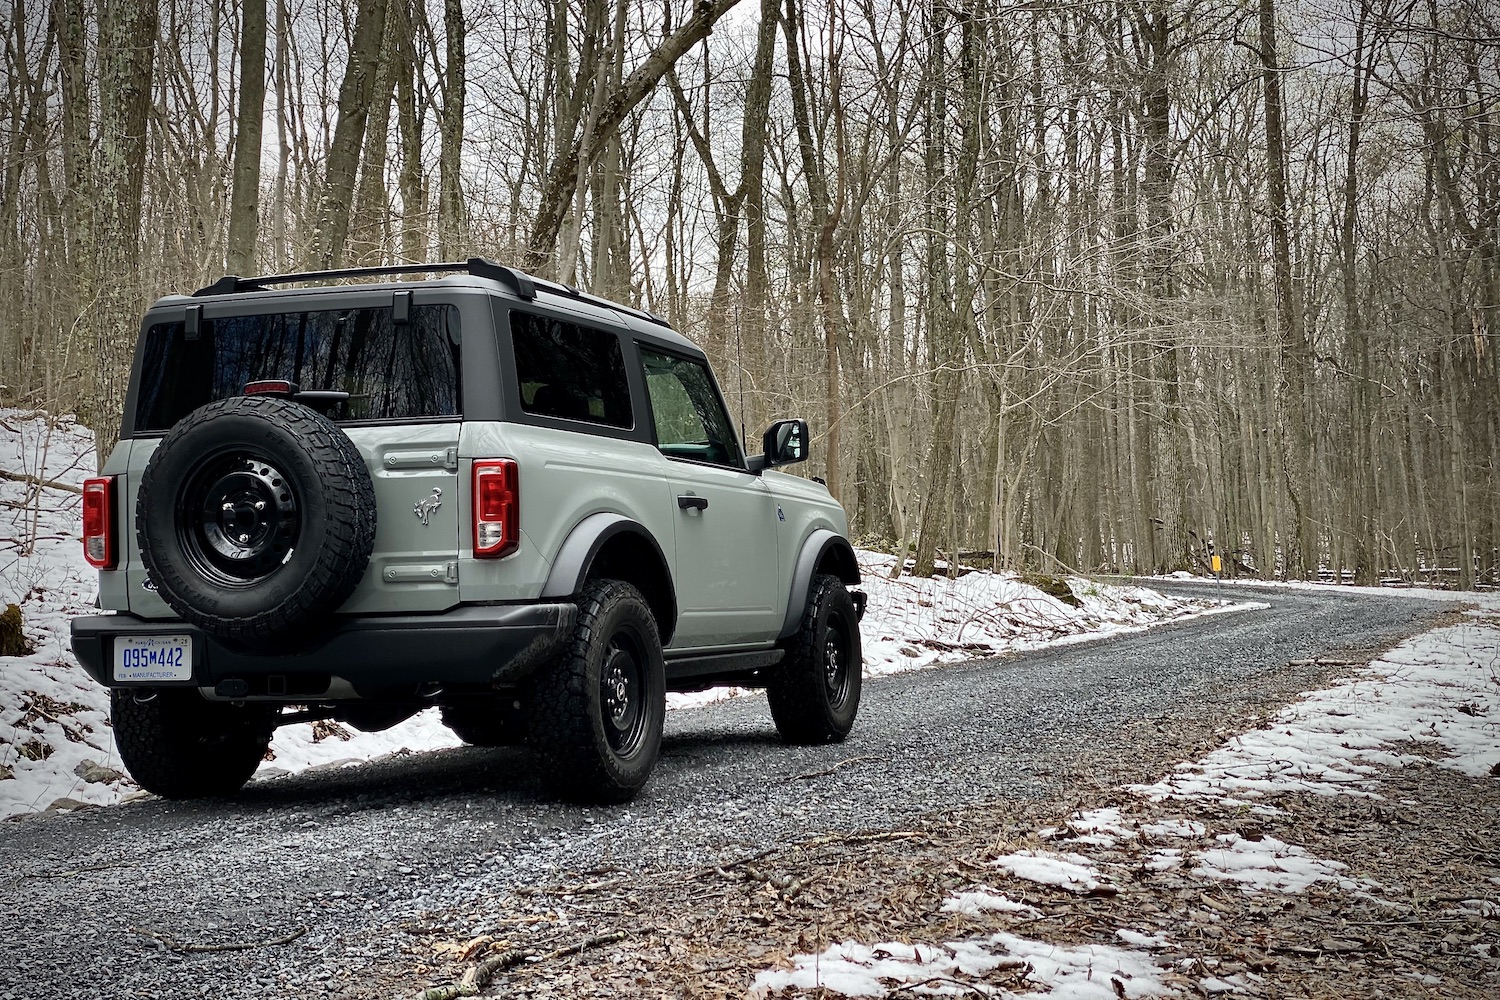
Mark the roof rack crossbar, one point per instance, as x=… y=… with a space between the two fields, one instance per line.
x=519 y=282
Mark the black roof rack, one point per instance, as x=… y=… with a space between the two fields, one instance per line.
x=519 y=281
x=594 y=300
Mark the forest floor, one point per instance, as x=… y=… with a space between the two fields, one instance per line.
x=1343 y=846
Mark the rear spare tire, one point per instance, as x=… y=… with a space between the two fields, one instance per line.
x=255 y=518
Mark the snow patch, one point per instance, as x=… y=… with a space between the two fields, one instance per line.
x=1072 y=872
x=1268 y=863
x=986 y=900
x=1438 y=689
x=1076 y=972
x=1101 y=827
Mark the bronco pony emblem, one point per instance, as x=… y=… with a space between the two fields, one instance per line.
x=424 y=509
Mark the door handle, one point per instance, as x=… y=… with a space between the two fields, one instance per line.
x=689 y=502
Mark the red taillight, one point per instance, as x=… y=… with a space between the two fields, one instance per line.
x=99 y=522
x=497 y=509
x=271 y=387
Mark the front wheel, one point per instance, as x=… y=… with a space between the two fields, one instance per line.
x=598 y=710
x=814 y=691
x=181 y=746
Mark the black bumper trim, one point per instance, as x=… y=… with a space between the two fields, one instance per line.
x=472 y=644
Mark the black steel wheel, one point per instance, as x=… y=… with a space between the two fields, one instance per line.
x=597 y=711
x=237 y=518
x=622 y=694
x=814 y=691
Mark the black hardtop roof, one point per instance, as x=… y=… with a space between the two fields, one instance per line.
x=517 y=283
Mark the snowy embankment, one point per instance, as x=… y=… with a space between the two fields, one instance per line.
x=1432 y=699
x=56 y=746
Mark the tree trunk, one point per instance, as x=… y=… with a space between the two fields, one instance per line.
x=413 y=191
x=244 y=205
x=369 y=231
x=78 y=208
x=349 y=133
x=127 y=52
x=451 y=221
x=826 y=213
x=1293 y=361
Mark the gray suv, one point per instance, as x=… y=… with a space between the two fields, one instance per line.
x=485 y=492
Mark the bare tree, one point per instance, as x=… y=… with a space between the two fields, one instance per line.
x=581 y=150
x=244 y=209
x=127 y=53
x=348 y=137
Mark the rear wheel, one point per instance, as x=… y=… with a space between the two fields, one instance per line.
x=814 y=692
x=178 y=745
x=597 y=711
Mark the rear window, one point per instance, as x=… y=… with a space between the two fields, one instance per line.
x=570 y=371
x=390 y=371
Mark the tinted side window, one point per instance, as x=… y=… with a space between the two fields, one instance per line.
x=689 y=416
x=570 y=371
x=390 y=371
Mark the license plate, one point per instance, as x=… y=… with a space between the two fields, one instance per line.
x=154 y=658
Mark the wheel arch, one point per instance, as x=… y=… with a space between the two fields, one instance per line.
x=824 y=551
x=619 y=548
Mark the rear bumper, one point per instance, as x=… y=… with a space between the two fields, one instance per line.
x=377 y=656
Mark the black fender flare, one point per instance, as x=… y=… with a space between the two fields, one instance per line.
x=579 y=552
x=822 y=546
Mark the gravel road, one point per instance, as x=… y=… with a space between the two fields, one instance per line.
x=346 y=853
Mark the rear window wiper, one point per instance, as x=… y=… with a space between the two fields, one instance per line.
x=318 y=399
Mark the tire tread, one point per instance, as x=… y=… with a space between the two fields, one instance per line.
x=795 y=687
x=576 y=763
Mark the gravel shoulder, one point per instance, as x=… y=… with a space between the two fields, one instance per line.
x=396 y=868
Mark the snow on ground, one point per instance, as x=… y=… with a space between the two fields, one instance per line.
x=1072 y=872
x=983 y=898
x=53 y=718
x=1440 y=690
x=56 y=747
x=1267 y=863
x=1066 y=972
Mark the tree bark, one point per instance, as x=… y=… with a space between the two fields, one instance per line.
x=78 y=208
x=414 y=247
x=348 y=134
x=1293 y=362
x=127 y=54
x=451 y=220
x=244 y=205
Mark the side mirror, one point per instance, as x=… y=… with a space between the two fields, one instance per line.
x=785 y=442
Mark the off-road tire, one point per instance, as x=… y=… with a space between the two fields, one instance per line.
x=491 y=723
x=326 y=533
x=571 y=725
x=809 y=707
x=182 y=747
